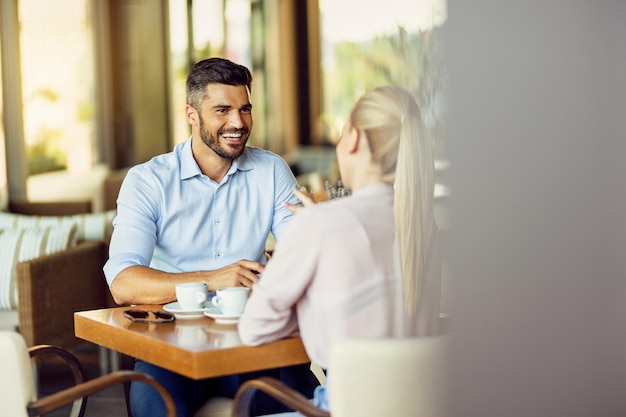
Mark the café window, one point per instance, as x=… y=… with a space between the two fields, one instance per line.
x=391 y=42
x=57 y=69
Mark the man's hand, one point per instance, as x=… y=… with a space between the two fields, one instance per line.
x=241 y=273
x=144 y=285
x=305 y=196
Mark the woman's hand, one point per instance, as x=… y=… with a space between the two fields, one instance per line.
x=305 y=196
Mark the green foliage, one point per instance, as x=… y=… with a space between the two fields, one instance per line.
x=410 y=60
x=46 y=154
x=46 y=93
x=86 y=111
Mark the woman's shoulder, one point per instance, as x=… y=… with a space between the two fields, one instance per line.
x=335 y=214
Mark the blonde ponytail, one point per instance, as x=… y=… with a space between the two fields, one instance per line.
x=399 y=142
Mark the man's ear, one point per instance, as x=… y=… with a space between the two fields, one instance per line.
x=192 y=114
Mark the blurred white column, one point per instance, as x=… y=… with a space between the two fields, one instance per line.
x=536 y=136
x=12 y=116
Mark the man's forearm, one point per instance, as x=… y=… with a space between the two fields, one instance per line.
x=145 y=285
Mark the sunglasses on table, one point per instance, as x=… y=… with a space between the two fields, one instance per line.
x=143 y=316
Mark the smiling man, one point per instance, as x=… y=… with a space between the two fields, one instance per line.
x=202 y=212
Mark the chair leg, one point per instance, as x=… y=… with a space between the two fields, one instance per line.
x=109 y=360
x=127 y=363
x=103 y=359
x=36 y=379
x=114 y=361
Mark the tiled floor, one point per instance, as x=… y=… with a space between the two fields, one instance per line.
x=54 y=375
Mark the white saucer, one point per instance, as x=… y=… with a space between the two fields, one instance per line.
x=216 y=314
x=181 y=313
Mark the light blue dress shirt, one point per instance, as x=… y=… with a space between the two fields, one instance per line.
x=173 y=218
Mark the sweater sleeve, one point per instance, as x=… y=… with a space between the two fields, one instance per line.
x=270 y=313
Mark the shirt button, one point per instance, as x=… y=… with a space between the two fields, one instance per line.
x=217 y=222
x=218 y=254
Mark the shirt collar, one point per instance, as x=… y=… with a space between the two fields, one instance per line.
x=189 y=167
x=242 y=163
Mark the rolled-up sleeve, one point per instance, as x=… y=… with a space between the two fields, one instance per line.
x=284 y=184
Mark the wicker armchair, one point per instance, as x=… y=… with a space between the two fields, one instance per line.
x=52 y=287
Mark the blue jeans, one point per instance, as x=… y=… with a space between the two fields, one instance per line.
x=189 y=394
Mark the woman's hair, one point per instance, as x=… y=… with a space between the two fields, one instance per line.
x=217 y=71
x=391 y=120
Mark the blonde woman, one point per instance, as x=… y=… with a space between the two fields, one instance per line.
x=366 y=265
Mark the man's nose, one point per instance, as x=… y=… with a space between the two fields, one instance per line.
x=236 y=120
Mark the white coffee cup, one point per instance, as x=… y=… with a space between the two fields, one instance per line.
x=231 y=300
x=191 y=295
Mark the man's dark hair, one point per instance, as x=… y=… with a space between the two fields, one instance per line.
x=217 y=71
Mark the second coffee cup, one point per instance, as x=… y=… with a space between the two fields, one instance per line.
x=231 y=300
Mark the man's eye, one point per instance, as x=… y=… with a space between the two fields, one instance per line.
x=246 y=111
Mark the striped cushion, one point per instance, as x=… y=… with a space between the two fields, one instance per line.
x=23 y=244
x=92 y=226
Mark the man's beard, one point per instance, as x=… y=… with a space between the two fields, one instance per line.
x=214 y=143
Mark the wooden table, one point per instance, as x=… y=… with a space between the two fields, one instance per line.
x=198 y=348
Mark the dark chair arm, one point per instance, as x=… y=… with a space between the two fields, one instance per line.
x=67 y=396
x=78 y=372
x=83 y=388
x=277 y=390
